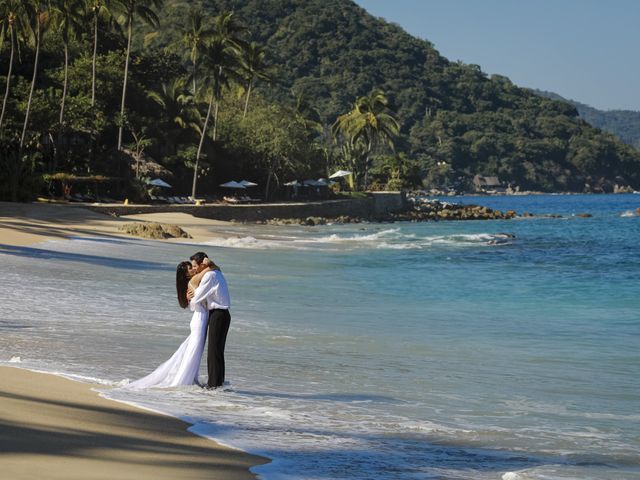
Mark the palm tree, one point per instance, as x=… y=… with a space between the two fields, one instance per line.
x=369 y=122
x=216 y=56
x=131 y=10
x=254 y=66
x=97 y=8
x=179 y=107
x=194 y=36
x=220 y=61
x=67 y=19
x=11 y=19
x=36 y=12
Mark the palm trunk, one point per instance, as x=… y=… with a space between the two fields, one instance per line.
x=93 y=62
x=65 y=82
x=204 y=132
x=6 y=92
x=33 y=83
x=215 y=121
x=124 y=84
x=266 y=188
x=366 y=165
x=62 y=103
x=246 y=103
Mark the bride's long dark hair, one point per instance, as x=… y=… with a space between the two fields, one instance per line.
x=182 y=283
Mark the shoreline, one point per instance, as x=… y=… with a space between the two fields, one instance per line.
x=65 y=427
x=26 y=224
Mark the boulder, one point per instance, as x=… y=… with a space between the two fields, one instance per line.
x=152 y=230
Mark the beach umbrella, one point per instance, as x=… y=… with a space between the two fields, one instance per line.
x=157 y=182
x=232 y=184
x=341 y=173
x=294 y=183
x=247 y=183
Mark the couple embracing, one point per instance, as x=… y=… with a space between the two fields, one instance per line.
x=201 y=287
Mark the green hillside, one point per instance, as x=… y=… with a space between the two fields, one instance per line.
x=624 y=124
x=455 y=121
x=408 y=117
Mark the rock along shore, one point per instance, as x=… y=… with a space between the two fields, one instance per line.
x=418 y=210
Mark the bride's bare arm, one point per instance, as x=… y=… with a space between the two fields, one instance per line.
x=196 y=279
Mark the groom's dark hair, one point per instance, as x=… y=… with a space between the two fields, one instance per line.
x=198 y=257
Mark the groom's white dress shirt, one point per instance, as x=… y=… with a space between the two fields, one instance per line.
x=211 y=293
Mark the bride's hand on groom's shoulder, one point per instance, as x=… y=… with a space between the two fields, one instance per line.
x=190 y=294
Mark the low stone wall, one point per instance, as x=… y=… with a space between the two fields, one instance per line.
x=388 y=202
x=361 y=207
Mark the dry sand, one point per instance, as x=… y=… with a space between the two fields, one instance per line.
x=23 y=224
x=55 y=428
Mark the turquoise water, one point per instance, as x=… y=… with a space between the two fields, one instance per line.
x=394 y=351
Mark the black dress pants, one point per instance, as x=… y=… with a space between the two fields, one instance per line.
x=219 y=321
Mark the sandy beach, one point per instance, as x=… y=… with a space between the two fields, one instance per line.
x=57 y=428
x=23 y=224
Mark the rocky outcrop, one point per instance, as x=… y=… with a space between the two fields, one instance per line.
x=424 y=209
x=420 y=210
x=155 y=231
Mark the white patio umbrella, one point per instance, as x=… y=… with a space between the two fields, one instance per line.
x=232 y=184
x=341 y=173
x=157 y=182
x=293 y=183
x=247 y=183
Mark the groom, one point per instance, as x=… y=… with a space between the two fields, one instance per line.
x=213 y=294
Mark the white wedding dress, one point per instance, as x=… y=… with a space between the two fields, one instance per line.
x=183 y=366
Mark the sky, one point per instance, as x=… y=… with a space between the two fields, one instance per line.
x=584 y=50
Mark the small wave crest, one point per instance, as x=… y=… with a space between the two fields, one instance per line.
x=388 y=239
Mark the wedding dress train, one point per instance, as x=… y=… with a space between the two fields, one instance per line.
x=183 y=366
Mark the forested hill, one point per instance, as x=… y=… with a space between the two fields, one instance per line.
x=625 y=124
x=332 y=51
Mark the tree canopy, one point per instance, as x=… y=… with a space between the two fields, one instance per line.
x=219 y=89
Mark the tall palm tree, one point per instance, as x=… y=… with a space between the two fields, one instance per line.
x=254 y=67
x=369 y=122
x=217 y=55
x=220 y=62
x=97 y=9
x=194 y=36
x=11 y=20
x=36 y=14
x=132 y=10
x=66 y=17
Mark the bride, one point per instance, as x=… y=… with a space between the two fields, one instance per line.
x=183 y=366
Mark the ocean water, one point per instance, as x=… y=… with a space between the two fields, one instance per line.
x=386 y=351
